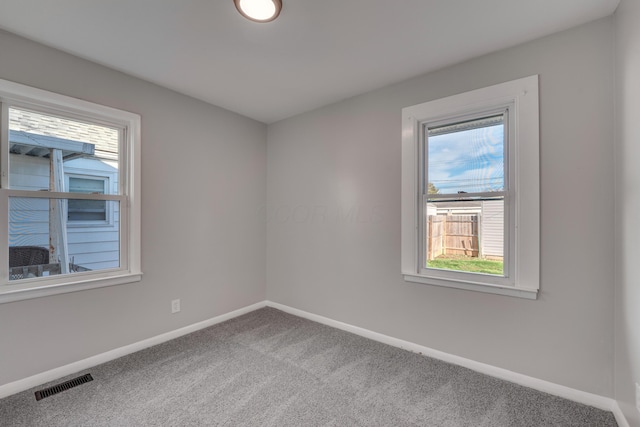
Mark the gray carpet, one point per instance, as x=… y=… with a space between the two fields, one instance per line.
x=269 y=368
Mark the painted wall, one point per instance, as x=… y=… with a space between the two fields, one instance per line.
x=203 y=233
x=333 y=210
x=627 y=303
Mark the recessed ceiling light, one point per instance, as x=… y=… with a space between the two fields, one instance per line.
x=259 y=10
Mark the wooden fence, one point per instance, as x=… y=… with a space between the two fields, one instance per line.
x=452 y=235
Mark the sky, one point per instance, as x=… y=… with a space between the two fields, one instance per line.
x=469 y=160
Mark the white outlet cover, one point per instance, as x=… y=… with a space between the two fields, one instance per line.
x=175 y=306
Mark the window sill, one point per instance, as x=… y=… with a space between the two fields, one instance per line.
x=472 y=286
x=11 y=293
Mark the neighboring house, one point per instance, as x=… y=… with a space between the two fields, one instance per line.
x=89 y=165
x=492 y=229
x=490 y=215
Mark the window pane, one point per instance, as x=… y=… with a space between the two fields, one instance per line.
x=86 y=185
x=40 y=244
x=42 y=146
x=465 y=235
x=86 y=210
x=466 y=157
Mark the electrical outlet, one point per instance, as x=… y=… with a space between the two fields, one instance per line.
x=638 y=397
x=175 y=306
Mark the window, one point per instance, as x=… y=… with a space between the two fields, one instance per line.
x=70 y=189
x=87 y=210
x=470 y=190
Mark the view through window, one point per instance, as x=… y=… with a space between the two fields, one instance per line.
x=42 y=149
x=464 y=195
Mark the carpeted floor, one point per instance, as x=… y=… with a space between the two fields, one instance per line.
x=269 y=368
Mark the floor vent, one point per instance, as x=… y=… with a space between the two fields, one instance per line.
x=50 y=391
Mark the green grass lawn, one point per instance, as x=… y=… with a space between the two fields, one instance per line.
x=468 y=264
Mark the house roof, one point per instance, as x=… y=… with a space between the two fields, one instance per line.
x=21 y=142
x=26 y=126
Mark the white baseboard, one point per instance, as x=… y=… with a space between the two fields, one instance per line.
x=579 y=396
x=617 y=412
x=583 y=397
x=53 y=374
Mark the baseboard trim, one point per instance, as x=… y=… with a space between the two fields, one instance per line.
x=617 y=412
x=579 y=396
x=71 y=368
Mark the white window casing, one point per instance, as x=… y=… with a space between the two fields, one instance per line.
x=522 y=198
x=128 y=194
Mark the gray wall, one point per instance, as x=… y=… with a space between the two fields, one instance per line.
x=627 y=364
x=333 y=205
x=203 y=234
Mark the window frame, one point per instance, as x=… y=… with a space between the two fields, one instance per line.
x=522 y=212
x=506 y=193
x=22 y=96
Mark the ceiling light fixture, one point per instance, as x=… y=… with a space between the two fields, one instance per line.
x=259 y=10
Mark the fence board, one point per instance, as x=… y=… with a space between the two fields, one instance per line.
x=452 y=235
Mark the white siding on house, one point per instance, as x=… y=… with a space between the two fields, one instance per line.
x=91 y=245
x=492 y=239
x=28 y=222
x=29 y=173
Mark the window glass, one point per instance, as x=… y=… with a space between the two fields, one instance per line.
x=464 y=203
x=40 y=244
x=87 y=210
x=466 y=157
x=466 y=236
x=42 y=145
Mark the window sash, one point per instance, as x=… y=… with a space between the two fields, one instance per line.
x=478 y=119
x=124 y=260
x=77 y=186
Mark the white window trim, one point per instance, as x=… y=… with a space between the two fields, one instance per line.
x=15 y=94
x=523 y=95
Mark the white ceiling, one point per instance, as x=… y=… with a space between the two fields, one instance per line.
x=317 y=52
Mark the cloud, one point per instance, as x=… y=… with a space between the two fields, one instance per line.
x=470 y=160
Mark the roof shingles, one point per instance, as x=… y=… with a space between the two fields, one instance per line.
x=104 y=138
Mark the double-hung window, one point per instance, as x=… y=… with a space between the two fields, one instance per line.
x=470 y=192
x=69 y=196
